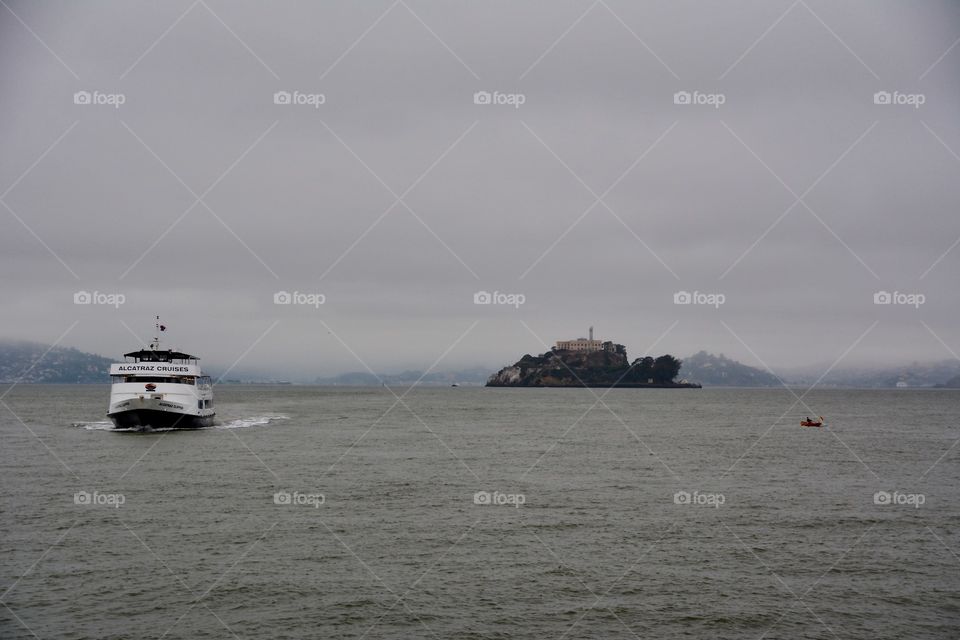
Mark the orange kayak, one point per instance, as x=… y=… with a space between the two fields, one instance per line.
x=812 y=423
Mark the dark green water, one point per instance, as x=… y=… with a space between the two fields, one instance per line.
x=191 y=535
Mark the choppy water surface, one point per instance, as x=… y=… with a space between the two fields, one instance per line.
x=321 y=512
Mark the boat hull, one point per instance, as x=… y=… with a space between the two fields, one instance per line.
x=164 y=406
x=152 y=418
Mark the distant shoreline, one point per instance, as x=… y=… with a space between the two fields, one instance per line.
x=622 y=385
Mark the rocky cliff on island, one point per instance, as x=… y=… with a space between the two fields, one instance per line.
x=605 y=367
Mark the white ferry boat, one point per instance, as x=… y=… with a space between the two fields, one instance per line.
x=161 y=389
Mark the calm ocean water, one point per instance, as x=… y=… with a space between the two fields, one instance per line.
x=340 y=513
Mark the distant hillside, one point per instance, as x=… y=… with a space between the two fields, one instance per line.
x=712 y=370
x=952 y=383
x=915 y=374
x=61 y=364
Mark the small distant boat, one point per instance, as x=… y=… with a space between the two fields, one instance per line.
x=455 y=385
x=812 y=423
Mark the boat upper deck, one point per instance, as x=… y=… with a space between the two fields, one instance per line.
x=156 y=355
x=155 y=362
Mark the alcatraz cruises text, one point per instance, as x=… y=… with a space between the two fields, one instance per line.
x=151 y=368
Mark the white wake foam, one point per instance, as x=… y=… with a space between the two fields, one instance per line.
x=238 y=423
x=100 y=425
x=106 y=425
x=253 y=421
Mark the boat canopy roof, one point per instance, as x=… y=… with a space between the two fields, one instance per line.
x=151 y=355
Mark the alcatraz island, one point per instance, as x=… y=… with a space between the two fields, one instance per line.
x=586 y=362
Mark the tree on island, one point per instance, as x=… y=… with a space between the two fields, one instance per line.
x=666 y=368
x=661 y=370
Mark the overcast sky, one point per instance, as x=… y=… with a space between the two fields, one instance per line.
x=589 y=190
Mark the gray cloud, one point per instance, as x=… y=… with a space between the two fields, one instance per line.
x=494 y=197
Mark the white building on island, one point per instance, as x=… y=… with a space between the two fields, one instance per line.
x=584 y=344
